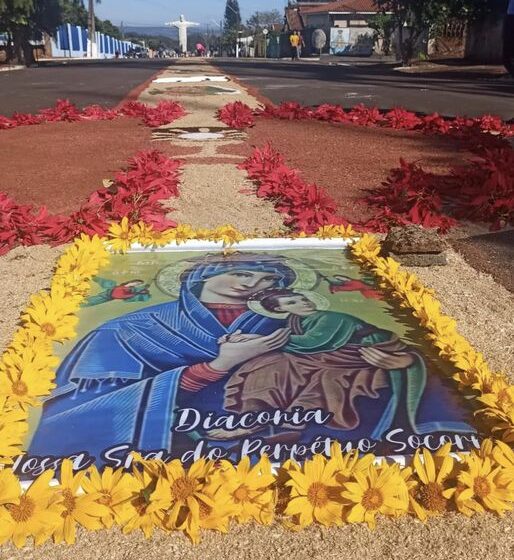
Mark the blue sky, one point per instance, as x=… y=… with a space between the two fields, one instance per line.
x=156 y=12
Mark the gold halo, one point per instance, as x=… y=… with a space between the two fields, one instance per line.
x=168 y=278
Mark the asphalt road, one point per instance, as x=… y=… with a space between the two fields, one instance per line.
x=84 y=83
x=452 y=93
x=371 y=83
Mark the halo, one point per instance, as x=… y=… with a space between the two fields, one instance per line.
x=321 y=302
x=168 y=278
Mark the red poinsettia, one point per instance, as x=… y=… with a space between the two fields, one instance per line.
x=236 y=115
x=307 y=206
x=136 y=192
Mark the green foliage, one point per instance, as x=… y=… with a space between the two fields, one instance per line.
x=383 y=27
x=259 y=20
x=232 y=20
x=413 y=18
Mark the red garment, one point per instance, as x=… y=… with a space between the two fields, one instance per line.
x=356 y=286
x=122 y=292
x=196 y=377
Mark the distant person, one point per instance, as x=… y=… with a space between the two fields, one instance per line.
x=508 y=39
x=296 y=42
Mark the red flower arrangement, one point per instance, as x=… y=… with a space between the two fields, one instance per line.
x=481 y=192
x=307 y=206
x=163 y=113
x=136 y=193
x=395 y=118
x=236 y=115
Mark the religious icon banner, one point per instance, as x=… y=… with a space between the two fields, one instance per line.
x=277 y=347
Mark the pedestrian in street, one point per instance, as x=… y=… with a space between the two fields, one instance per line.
x=295 y=41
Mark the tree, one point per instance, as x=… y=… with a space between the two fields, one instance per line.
x=25 y=20
x=260 y=20
x=383 y=28
x=232 y=20
x=413 y=18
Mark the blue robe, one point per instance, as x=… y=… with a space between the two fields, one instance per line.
x=119 y=384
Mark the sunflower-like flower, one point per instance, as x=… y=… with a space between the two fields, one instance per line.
x=83 y=509
x=149 y=498
x=26 y=375
x=84 y=257
x=227 y=234
x=314 y=493
x=9 y=488
x=482 y=486
x=34 y=513
x=13 y=428
x=182 y=233
x=348 y=463
x=331 y=231
x=50 y=315
x=381 y=490
x=121 y=236
x=250 y=489
x=113 y=489
x=186 y=494
x=430 y=495
x=217 y=516
x=366 y=248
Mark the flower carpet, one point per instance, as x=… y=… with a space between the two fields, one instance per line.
x=185 y=188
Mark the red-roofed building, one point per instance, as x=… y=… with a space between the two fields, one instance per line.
x=345 y=23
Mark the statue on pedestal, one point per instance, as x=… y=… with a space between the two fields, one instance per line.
x=182 y=26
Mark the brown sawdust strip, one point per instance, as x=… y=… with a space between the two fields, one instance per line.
x=484 y=310
x=60 y=164
x=23 y=272
x=483 y=537
x=210 y=196
x=492 y=253
x=346 y=159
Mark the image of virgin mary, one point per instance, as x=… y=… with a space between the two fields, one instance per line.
x=121 y=383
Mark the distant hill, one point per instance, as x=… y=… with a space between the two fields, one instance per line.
x=166 y=31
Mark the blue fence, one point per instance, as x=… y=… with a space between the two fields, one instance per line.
x=72 y=41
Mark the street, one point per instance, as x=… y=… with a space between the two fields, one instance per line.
x=375 y=84
x=310 y=83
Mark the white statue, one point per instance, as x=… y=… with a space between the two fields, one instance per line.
x=182 y=26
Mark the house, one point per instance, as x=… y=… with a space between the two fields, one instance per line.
x=345 y=23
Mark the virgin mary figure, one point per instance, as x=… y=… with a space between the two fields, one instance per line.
x=121 y=383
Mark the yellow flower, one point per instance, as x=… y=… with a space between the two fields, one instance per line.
x=227 y=234
x=216 y=516
x=381 y=490
x=9 y=488
x=348 y=463
x=121 y=236
x=331 y=231
x=26 y=375
x=481 y=487
x=431 y=495
x=498 y=394
x=182 y=233
x=186 y=491
x=149 y=497
x=113 y=489
x=78 y=508
x=50 y=316
x=13 y=427
x=250 y=489
x=84 y=257
x=143 y=233
x=367 y=248
x=34 y=515
x=314 y=495
x=504 y=456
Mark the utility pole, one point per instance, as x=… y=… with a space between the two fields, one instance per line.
x=92 y=31
x=122 y=31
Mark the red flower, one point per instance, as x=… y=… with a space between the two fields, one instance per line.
x=236 y=115
x=63 y=110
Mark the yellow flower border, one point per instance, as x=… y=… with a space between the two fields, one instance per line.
x=482 y=480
